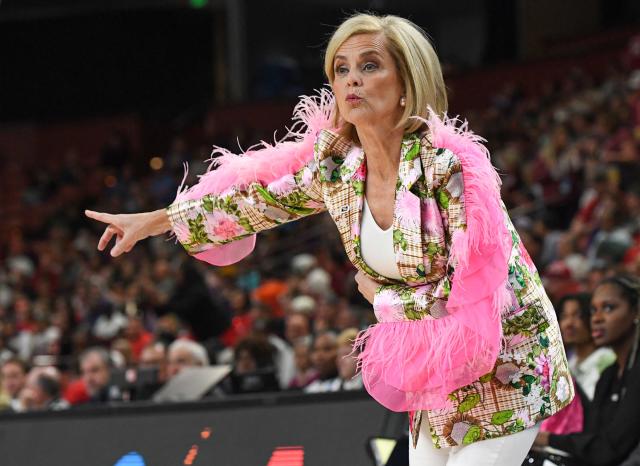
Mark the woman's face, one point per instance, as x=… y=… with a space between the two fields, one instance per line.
x=572 y=325
x=366 y=83
x=611 y=316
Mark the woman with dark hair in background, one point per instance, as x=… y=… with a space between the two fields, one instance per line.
x=586 y=360
x=612 y=426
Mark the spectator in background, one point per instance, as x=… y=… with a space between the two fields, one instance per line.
x=305 y=372
x=269 y=328
x=185 y=353
x=254 y=368
x=323 y=357
x=153 y=356
x=586 y=362
x=109 y=322
x=137 y=335
x=42 y=391
x=95 y=369
x=297 y=327
x=14 y=377
x=121 y=353
x=347 y=361
x=253 y=353
x=612 y=428
x=152 y=370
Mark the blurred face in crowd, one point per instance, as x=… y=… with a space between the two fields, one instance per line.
x=367 y=85
x=33 y=396
x=95 y=373
x=245 y=362
x=612 y=316
x=347 y=365
x=154 y=357
x=302 y=357
x=573 y=327
x=297 y=326
x=13 y=378
x=179 y=358
x=324 y=355
x=134 y=328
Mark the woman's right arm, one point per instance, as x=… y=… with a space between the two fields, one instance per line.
x=217 y=219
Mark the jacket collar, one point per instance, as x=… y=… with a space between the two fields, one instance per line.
x=409 y=170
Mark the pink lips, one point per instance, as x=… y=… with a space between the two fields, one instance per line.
x=352 y=98
x=597 y=333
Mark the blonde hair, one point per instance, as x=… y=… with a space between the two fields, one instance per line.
x=416 y=61
x=347 y=337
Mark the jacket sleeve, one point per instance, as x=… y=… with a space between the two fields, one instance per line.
x=417 y=301
x=238 y=212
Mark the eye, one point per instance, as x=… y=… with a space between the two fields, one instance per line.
x=341 y=69
x=370 y=66
x=608 y=308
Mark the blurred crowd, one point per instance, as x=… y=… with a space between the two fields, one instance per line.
x=78 y=327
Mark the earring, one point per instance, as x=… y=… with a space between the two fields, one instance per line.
x=403 y=101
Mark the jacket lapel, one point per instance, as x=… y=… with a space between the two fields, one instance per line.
x=353 y=174
x=407 y=230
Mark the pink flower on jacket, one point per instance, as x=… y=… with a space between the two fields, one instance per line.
x=543 y=369
x=408 y=205
x=431 y=218
x=387 y=306
x=526 y=258
x=355 y=229
x=361 y=172
x=307 y=177
x=222 y=226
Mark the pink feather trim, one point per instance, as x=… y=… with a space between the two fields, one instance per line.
x=413 y=365
x=264 y=163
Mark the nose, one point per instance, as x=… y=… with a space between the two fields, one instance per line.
x=354 y=79
x=596 y=317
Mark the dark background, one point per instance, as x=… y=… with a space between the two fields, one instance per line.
x=62 y=59
x=332 y=429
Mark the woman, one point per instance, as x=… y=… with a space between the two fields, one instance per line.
x=612 y=427
x=586 y=361
x=467 y=340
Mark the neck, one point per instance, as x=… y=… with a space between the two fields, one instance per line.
x=583 y=350
x=381 y=144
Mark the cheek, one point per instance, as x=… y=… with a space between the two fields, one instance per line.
x=617 y=324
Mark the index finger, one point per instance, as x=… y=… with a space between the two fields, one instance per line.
x=100 y=216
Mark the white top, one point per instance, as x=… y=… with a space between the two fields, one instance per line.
x=377 y=246
x=587 y=373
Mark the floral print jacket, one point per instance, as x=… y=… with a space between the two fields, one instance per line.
x=530 y=380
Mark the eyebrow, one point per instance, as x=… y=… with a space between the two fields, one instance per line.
x=363 y=54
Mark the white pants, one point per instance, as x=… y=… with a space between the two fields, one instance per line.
x=509 y=450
